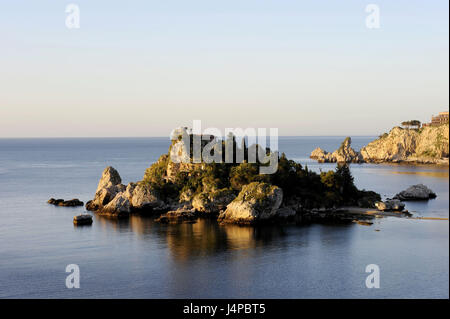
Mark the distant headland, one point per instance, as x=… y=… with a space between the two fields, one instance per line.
x=413 y=143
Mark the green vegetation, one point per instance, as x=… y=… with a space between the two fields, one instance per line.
x=256 y=191
x=333 y=188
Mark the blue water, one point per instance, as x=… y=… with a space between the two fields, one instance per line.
x=138 y=258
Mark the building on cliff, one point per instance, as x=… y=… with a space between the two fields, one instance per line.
x=441 y=118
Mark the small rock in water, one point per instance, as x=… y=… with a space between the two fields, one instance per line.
x=416 y=192
x=83 y=219
x=65 y=203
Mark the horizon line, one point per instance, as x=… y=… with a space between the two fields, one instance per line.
x=158 y=136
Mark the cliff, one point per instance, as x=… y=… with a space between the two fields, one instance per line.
x=428 y=145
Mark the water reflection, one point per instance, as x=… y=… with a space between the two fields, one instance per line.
x=207 y=238
x=203 y=238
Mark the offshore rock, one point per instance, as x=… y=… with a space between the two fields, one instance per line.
x=416 y=192
x=83 y=219
x=344 y=154
x=66 y=203
x=108 y=187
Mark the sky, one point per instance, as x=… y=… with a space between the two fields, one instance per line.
x=142 y=68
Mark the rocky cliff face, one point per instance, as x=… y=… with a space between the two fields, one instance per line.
x=429 y=145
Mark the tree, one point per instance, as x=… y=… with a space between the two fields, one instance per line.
x=407 y=124
x=415 y=123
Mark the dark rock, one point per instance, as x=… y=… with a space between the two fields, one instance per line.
x=416 y=192
x=66 y=203
x=83 y=219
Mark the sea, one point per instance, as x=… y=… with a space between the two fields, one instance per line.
x=139 y=258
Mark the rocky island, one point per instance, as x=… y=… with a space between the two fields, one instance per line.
x=230 y=192
x=427 y=145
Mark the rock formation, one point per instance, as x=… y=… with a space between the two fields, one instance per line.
x=428 y=145
x=142 y=196
x=212 y=202
x=256 y=202
x=416 y=192
x=83 y=219
x=65 y=203
x=109 y=186
x=112 y=198
x=344 y=154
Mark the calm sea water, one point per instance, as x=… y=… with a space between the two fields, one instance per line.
x=138 y=258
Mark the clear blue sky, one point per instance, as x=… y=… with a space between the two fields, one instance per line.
x=141 y=68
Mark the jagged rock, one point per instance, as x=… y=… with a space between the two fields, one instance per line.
x=320 y=155
x=212 y=202
x=181 y=215
x=142 y=196
x=416 y=192
x=108 y=187
x=83 y=219
x=65 y=203
x=390 y=205
x=91 y=206
x=344 y=154
x=256 y=202
x=428 y=145
x=118 y=207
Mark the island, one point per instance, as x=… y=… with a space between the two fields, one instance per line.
x=233 y=192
